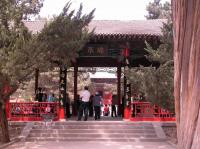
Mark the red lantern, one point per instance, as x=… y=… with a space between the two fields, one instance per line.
x=126 y=52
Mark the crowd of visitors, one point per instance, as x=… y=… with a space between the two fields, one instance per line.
x=41 y=96
x=87 y=105
x=94 y=105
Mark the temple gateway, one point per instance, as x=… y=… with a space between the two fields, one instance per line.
x=114 y=44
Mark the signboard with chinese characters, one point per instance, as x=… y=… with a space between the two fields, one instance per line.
x=95 y=50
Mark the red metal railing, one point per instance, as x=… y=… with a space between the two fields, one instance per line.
x=33 y=111
x=144 y=111
x=39 y=111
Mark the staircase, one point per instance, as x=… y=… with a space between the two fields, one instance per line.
x=92 y=131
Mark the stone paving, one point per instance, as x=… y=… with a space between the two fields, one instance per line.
x=92 y=135
x=91 y=145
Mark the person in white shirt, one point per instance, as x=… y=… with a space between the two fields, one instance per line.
x=84 y=104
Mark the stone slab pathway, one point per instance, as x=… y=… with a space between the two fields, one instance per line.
x=91 y=145
x=160 y=141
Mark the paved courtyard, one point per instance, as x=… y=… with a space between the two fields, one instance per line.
x=91 y=145
x=71 y=134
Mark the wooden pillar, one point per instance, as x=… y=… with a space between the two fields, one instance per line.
x=62 y=91
x=127 y=96
x=75 y=89
x=66 y=81
x=119 y=88
x=36 y=80
x=125 y=82
x=63 y=75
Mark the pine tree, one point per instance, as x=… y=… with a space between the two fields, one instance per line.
x=21 y=52
x=65 y=35
x=15 y=50
x=157 y=82
x=157 y=10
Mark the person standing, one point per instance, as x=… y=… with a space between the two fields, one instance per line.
x=114 y=102
x=51 y=98
x=97 y=105
x=44 y=96
x=84 y=97
x=67 y=106
x=39 y=95
x=91 y=106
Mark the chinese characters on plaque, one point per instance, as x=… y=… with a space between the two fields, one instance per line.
x=96 y=51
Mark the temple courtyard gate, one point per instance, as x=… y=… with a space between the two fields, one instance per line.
x=114 y=44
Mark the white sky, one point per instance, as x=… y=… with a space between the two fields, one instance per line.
x=105 y=9
x=103 y=75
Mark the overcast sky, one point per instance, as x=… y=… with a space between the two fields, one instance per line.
x=105 y=9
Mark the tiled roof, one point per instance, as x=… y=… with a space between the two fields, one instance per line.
x=113 y=27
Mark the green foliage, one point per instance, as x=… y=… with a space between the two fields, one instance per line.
x=164 y=52
x=17 y=44
x=157 y=82
x=65 y=35
x=17 y=49
x=157 y=10
x=21 y=52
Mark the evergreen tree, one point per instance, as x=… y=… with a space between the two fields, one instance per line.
x=157 y=82
x=157 y=10
x=16 y=54
x=21 y=52
x=65 y=35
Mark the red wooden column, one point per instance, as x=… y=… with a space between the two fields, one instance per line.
x=119 y=88
x=62 y=92
x=75 y=89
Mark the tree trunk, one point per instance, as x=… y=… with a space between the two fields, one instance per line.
x=4 y=124
x=186 y=19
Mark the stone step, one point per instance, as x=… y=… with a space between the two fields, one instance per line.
x=11 y=123
x=72 y=135
x=34 y=139
x=90 y=127
x=102 y=123
x=92 y=131
x=104 y=139
x=96 y=123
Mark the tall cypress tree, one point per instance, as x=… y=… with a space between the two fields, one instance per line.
x=157 y=82
x=21 y=52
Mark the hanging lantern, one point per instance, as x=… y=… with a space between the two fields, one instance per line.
x=126 y=52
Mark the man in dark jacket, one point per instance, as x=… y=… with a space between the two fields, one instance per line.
x=39 y=95
x=97 y=105
x=114 y=103
x=67 y=106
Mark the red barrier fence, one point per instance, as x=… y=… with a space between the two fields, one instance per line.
x=145 y=111
x=39 y=111
x=33 y=111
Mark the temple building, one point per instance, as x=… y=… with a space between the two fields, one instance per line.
x=114 y=44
